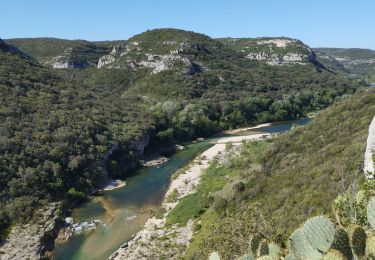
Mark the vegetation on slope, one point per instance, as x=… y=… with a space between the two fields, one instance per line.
x=356 y=62
x=55 y=136
x=46 y=49
x=294 y=178
x=64 y=132
x=258 y=45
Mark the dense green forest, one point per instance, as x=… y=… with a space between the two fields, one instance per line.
x=64 y=132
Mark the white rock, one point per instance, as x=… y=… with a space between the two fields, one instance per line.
x=69 y=220
x=278 y=42
x=106 y=59
x=369 y=163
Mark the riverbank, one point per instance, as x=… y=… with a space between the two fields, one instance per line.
x=247 y=128
x=126 y=210
x=145 y=243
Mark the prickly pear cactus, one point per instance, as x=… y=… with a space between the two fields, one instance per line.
x=254 y=243
x=214 y=256
x=358 y=241
x=266 y=257
x=342 y=243
x=333 y=254
x=371 y=212
x=247 y=257
x=301 y=248
x=274 y=250
x=370 y=246
x=263 y=248
x=319 y=232
x=291 y=257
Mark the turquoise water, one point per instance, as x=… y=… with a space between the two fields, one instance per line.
x=125 y=210
x=283 y=126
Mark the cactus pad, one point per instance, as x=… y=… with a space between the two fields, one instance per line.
x=254 y=243
x=358 y=241
x=319 y=232
x=342 y=243
x=263 y=248
x=274 y=250
x=291 y=257
x=371 y=212
x=301 y=248
x=334 y=255
x=247 y=257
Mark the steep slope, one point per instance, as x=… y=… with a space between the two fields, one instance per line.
x=59 y=53
x=279 y=184
x=56 y=136
x=174 y=64
x=273 y=51
x=357 y=62
x=184 y=65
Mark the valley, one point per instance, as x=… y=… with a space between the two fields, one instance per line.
x=75 y=114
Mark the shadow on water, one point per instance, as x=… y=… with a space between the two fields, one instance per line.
x=124 y=211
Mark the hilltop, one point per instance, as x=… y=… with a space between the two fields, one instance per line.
x=354 y=61
x=273 y=51
x=175 y=64
x=59 y=53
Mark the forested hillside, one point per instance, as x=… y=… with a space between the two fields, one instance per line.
x=55 y=135
x=356 y=62
x=73 y=113
x=276 y=185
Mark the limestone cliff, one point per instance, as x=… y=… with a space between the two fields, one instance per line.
x=273 y=51
x=369 y=154
x=34 y=239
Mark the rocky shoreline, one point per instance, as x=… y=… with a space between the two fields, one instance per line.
x=71 y=228
x=33 y=240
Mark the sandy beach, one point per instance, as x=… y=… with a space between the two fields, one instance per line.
x=247 y=128
x=183 y=185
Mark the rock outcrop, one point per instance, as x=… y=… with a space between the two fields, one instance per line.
x=369 y=154
x=67 y=61
x=280 y=52
x=156 y=62
x=274 y=51
x=34 y=239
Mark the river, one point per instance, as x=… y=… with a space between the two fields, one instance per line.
x=124 y=211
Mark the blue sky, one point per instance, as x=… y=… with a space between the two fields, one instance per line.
x=325 y=23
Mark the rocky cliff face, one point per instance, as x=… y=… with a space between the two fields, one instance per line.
x=133 y=56
x=69 y=60
x=34 y=239
x=274 y=51
x=354 y=61
x=369 y=154
x=127 y=157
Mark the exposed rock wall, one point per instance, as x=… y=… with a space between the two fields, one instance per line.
x=32 y=240
x=369 y=163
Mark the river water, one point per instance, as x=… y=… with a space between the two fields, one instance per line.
x=124 y=211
